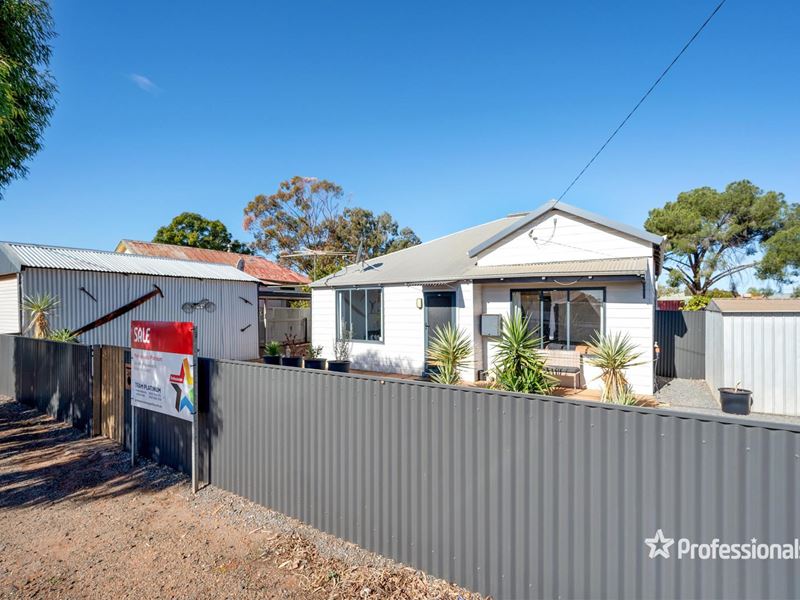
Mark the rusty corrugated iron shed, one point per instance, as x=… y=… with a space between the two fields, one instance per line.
x=259 y=267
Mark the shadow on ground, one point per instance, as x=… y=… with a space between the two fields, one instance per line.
x=45 y=462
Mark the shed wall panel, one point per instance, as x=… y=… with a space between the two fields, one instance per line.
x=9 y=304
x=220 y=332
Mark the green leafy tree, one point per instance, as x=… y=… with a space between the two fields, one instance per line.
x=192 y=229
x=712 y=235
x=27 y=90
x=305 y=224
x=796 y=292
x=781 y=260
x=763 y=292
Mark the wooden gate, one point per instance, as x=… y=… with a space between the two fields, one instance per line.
x=112 y=371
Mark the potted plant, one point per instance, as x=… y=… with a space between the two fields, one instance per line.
x=273 y=353
x=735 y=400
x=292 y=358
x=314 y=358
x=342 y=349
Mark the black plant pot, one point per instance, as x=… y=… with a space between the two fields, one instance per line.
x=735 y=401
x=339 y=366
x=291 y=361
x=315 y=363
x=271 y=360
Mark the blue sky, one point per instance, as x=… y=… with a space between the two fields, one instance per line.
x=445 y=114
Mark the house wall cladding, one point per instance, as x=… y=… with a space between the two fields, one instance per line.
x=761 y=353
x=681 y=336
x=510 y=495
x=220 y=332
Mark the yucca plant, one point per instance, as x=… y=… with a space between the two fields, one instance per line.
x=518 y=364
x=273 y=348
x=63 y=335
x=40 y=309
x=449 y=351
x=613 y=355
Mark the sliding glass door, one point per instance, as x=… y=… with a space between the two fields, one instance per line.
x=562 y=318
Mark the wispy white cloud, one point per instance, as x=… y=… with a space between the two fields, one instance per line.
x=144 y=83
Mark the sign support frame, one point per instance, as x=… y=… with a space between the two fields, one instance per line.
x=196 y=369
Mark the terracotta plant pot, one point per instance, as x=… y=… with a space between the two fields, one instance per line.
x=271 y=360
x=735 y=401
x=291 y=361
x=339 y=366
x=315 y=363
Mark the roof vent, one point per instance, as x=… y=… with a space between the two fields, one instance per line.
x=240 y=264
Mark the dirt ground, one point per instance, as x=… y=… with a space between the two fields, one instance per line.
x=76 y=521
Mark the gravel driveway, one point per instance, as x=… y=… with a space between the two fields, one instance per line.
x=76 y=521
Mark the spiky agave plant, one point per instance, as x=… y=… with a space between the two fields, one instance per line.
x=613 y=355
x=40 y=308
x=63 y=335
x=449 y=351
x=518 y=364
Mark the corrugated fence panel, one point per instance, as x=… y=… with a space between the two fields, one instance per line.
x=511 y=496
x=681 y=337
x=55 y=378
x=7 y=377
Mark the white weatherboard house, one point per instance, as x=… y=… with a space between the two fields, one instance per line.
x=571 y=272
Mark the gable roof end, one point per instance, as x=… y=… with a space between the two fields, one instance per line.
x=530 y=217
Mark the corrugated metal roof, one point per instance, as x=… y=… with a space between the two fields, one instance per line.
x=595 y=267
x=442 y=259
x=755 y=305
x=257 y=266
x=78 y=259
x=447 y=259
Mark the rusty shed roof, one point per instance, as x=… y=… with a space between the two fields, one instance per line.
x=257 y=266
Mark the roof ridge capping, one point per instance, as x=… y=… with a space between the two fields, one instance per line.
x=530 y=217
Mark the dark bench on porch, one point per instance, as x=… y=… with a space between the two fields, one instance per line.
x=563 y=362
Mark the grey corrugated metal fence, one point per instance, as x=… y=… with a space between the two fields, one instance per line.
x=53 y=377
x=509 y=495
x=7 y=378
x=681 y=335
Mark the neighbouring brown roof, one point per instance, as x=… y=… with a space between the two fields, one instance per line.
x=755 y=305
x=257 y=266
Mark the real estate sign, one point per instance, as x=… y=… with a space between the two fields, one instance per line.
x=163 y=367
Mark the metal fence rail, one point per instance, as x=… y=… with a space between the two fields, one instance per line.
x=681 y=335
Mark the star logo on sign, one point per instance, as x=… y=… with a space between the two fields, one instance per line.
x=659 y=545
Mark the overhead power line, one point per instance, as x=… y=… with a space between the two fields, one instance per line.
x=643 y=98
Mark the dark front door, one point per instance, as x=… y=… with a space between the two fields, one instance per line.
x=440 y=309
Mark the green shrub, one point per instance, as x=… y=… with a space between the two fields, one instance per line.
x=273 y=348
x=518 y=364
x=449 y=351
x=613 y=355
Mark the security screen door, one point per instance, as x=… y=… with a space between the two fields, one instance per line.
x=440 y=309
